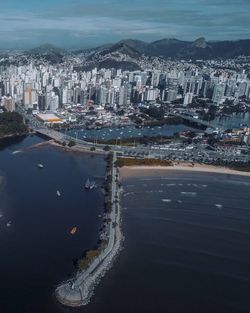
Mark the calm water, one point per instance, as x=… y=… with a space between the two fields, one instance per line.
x=128 y=132
x=233 y=121
x=37 y=251
x=186 y=248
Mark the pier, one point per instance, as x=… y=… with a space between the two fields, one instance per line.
x=78 y=290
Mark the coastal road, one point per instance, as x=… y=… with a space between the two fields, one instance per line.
x=77 y=291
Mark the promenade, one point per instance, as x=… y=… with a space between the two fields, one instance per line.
x=78 y=290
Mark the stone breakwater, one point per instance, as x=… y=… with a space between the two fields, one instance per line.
x=82 y=294
x=79 y=290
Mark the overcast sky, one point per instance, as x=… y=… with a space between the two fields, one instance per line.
x=87 y=23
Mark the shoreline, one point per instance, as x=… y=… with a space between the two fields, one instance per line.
x=75 y=148
x=78 y=290
x=199 y=168
x=13 y=136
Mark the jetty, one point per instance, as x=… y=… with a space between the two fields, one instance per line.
x=78 y=290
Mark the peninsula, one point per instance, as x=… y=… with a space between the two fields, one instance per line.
x=78 y=290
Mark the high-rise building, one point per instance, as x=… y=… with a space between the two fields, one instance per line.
x=8 y=103
x=42 y=102
x=188 y=98
x=30 y=97
x=219 y=92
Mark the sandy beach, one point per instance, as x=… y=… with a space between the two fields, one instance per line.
x=146 y=170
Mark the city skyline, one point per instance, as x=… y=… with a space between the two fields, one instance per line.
x=74 y=24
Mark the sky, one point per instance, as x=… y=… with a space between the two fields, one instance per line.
x=88 y=23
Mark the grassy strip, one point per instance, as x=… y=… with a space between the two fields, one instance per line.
x=142 y=162
x=243 y=168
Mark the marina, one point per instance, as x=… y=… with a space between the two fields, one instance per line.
x=126 y=132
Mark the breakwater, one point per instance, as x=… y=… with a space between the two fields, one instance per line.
x=78 y=290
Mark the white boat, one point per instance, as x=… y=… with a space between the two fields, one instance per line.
x=58 y=193
x=8 y=224
x=16 y=152
x=87 y=184
x=40 y=165
x=92 y=184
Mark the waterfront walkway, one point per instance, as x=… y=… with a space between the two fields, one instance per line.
x=78 y=291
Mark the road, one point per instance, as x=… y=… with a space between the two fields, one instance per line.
x=200 y=153
x=77 y=291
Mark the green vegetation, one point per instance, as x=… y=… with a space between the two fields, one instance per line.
x=71 y=143
x=240 y=167
x=131 y=142
x=11 y=124
x=142 y=162
x=92 y=149
x=107 y=148
x=89 y=257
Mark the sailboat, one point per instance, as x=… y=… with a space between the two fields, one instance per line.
x=92 y=184
x=87 y=184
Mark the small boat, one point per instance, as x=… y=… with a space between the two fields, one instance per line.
x=39 y=165
x=73 y=230
x=87 y=184
x=8 y=224
x=92 y=184
x=16 y=152
x=58 y=193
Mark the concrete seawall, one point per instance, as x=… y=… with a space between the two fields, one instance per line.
x=78 y=291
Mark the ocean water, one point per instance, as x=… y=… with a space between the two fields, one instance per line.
x=37 y=251
x=186 y=247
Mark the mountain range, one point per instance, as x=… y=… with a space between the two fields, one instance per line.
x=134 y=49
x=178 y=49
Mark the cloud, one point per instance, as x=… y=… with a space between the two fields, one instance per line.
x=98 y=21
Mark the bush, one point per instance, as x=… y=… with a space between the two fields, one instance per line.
x=71 y=143
x=92 y=149
x=146 y=162
x=107 y=148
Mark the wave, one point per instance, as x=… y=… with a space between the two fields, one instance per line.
x=166 y=200
x=189 y=193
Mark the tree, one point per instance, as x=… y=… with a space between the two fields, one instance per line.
x=107 y=148
x=71 y=143
x=92 y=149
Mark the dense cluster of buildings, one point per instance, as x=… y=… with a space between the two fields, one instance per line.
x=54 y=87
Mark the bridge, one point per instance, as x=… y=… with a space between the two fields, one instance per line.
x=61 y=137
x=198 y=121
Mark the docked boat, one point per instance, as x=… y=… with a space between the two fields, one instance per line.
x=73 y=230
x=8 y=224
x=39 y=165
x=16 y=152
x=87 y=184
x=92 y=184
x=58 y=193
